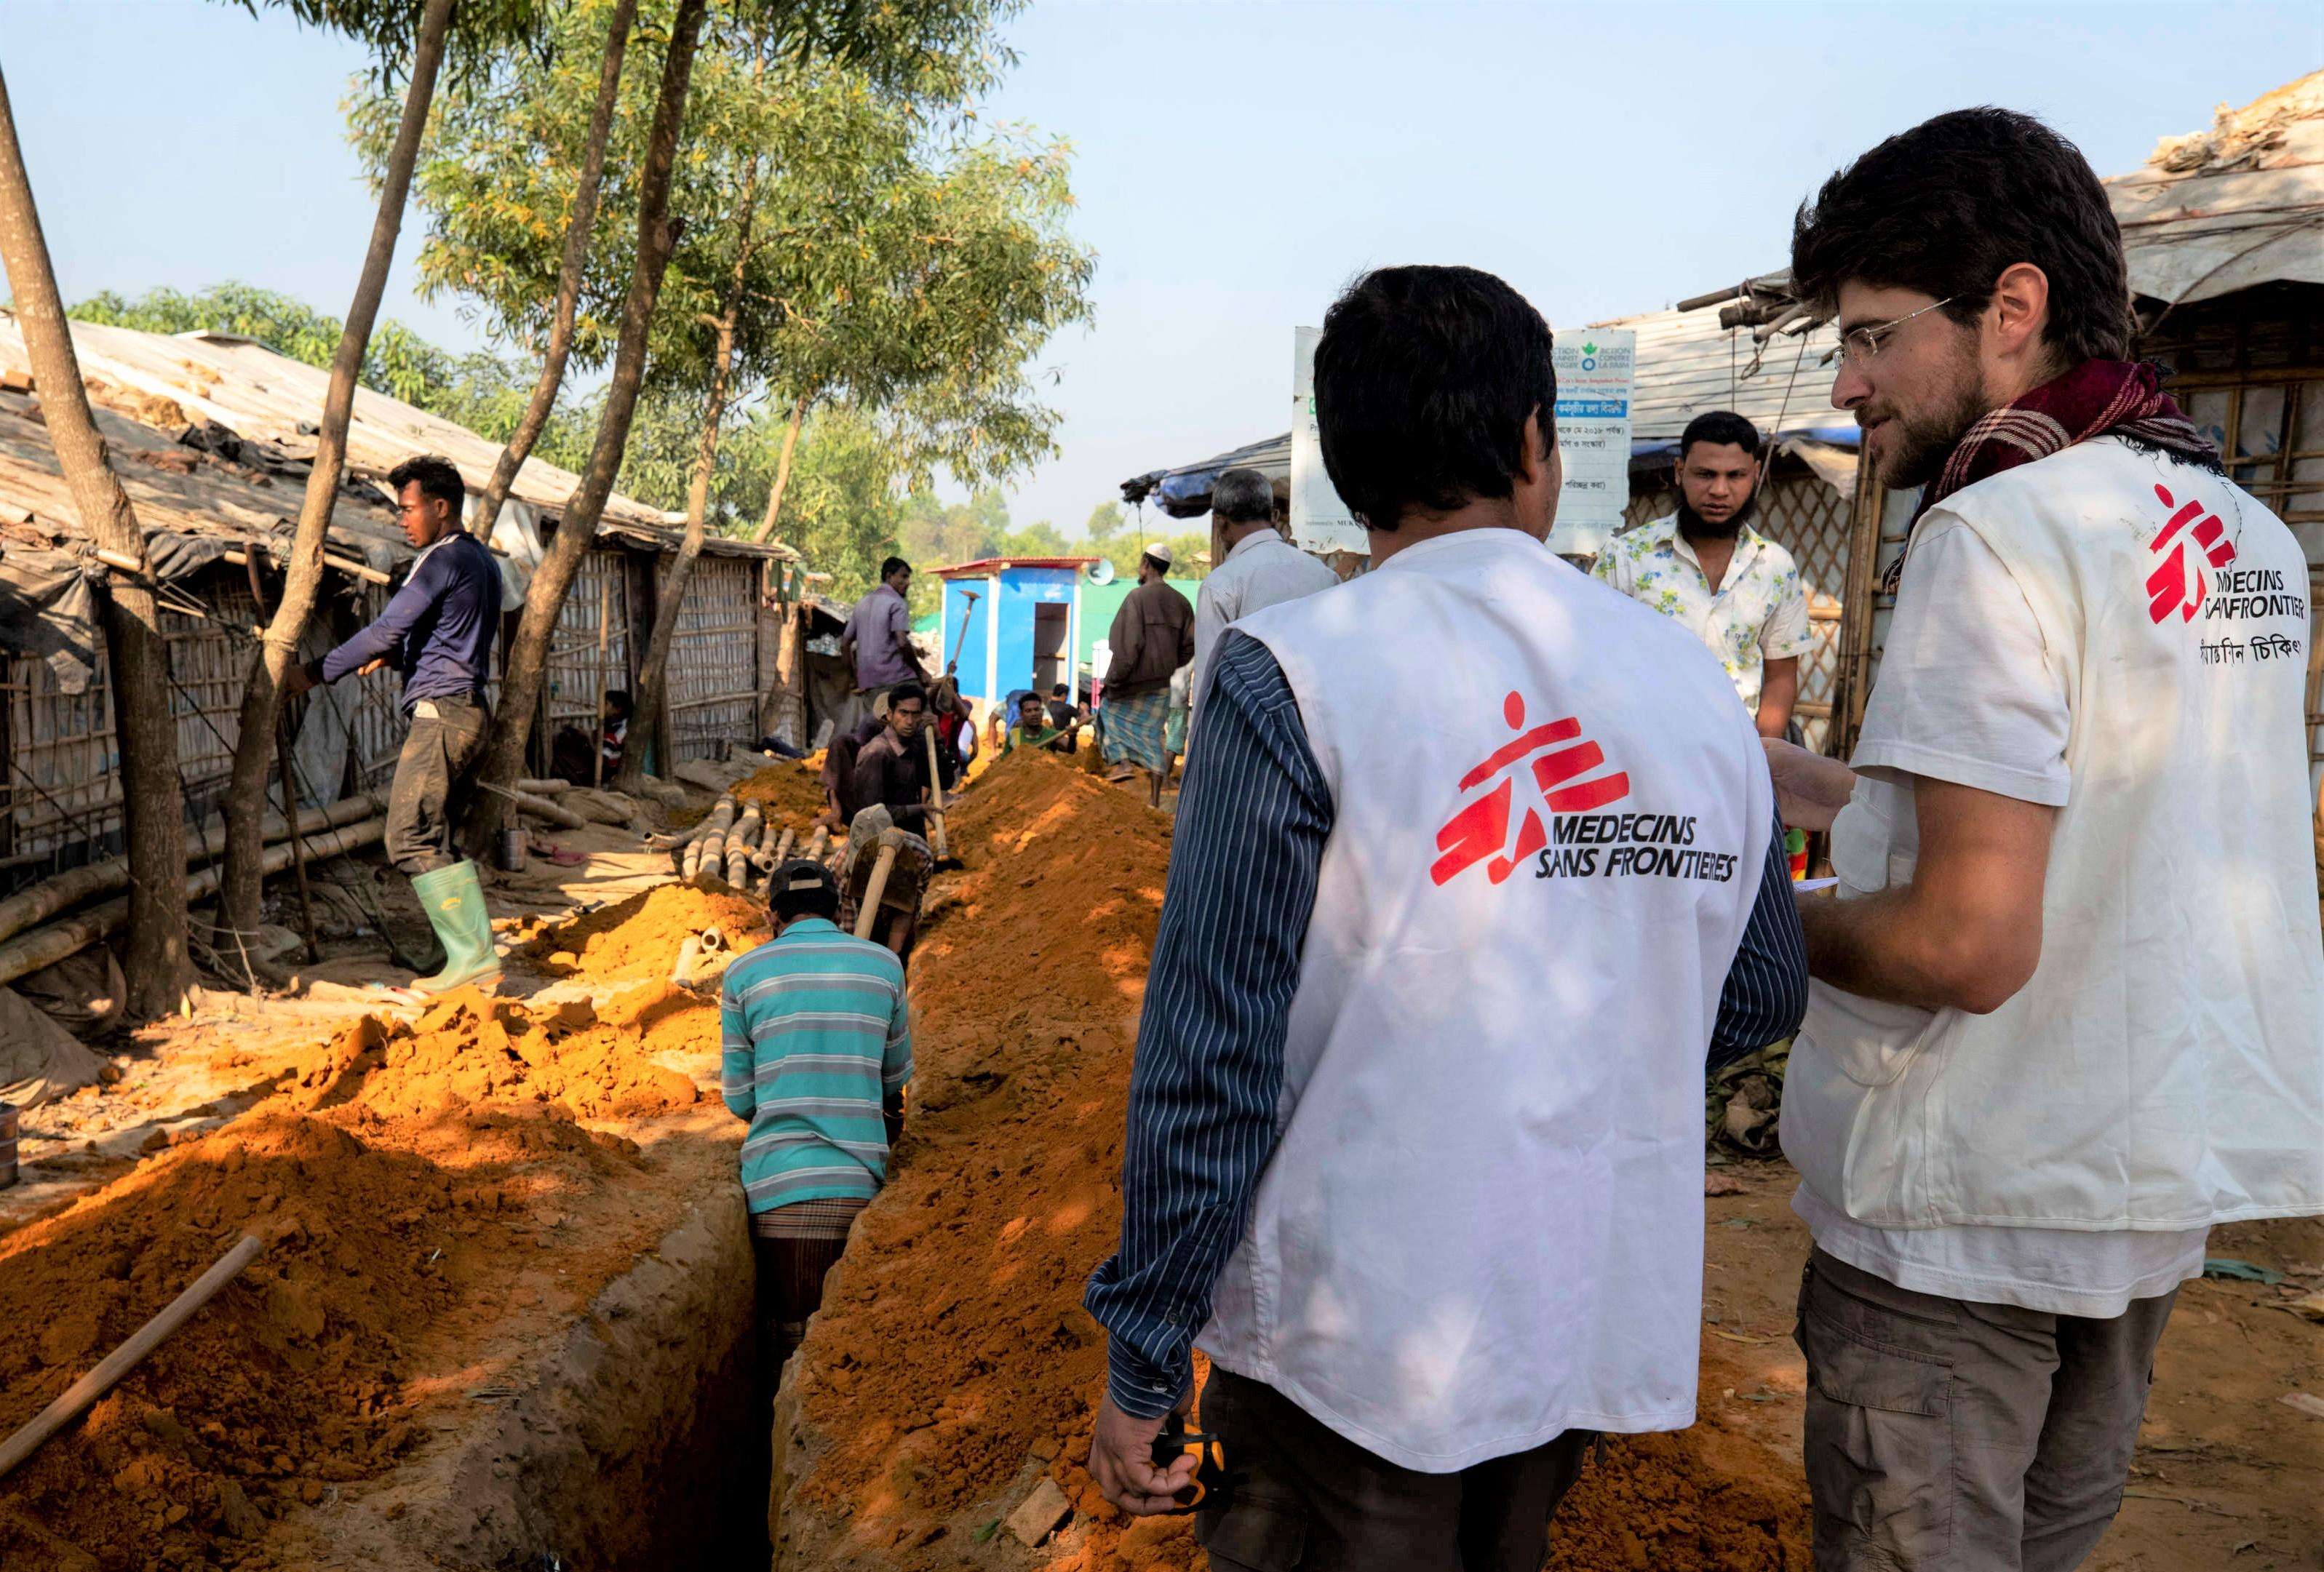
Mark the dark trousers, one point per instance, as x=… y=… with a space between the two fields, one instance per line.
x=790 y=1289
x=440 y=751
x=1945 y=1434
x=1306 y=1499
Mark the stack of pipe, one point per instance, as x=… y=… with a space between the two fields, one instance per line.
x=29 y=949
x=706 y=847
x=740 y=845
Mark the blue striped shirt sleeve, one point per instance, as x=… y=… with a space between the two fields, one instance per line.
x=1767 y=988
x=1253 y=815
x=737 y=1061
x=896 y=1063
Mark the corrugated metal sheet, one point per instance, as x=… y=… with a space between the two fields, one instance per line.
x=163 y=378
x=1688 y=365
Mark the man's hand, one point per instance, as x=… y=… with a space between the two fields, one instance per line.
x=1810 y=789
x=1121 y=1461
x=377 y=663
x=296 y=681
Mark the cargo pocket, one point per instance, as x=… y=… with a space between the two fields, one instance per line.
x=1258 y=1531
x=1878 y=1445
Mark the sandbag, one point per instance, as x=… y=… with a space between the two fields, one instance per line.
x=83 y=993
x=40 y=1061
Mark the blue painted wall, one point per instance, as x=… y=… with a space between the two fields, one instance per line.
x=973 y=619
x=988 y=672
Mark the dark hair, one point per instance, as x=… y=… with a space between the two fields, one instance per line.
x=436 y=476
x=1424 y=379
x=802 y=888
x=1159 y=565
x=1719 y=427
x=1058 y=692
x=1027 y=698
x=1946 y=207
x=1243 y=496
x=619 y=698
x=889 y=567
x=902 y=691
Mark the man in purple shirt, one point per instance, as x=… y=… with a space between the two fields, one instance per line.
x=877 y=641
x=437 y=631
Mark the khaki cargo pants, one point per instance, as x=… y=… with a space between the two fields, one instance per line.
x=443 y=746
x=1948 y=1436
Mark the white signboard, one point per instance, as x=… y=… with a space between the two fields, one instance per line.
x=1320 y=521
x=1595 y=369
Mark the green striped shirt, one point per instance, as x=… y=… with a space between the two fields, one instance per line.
x=814 y=1029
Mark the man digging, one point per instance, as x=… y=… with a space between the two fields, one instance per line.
x=437 y=631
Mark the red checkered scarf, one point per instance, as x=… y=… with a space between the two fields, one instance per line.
x=2099 y=398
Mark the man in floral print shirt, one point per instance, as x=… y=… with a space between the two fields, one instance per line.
x=1705 y=565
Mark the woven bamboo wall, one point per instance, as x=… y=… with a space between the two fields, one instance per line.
x=714 y=659
x=590 y=651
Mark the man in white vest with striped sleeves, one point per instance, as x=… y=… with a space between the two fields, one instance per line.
x=2069 y=1009
x=1415 y=1130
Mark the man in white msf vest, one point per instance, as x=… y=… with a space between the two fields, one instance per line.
x=1415 y=1130
x=2068 y=1010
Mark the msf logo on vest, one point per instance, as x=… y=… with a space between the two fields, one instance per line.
x=1551 y=762
x=2178 y=582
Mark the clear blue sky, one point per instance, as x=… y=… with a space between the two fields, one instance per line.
x=1237 y=162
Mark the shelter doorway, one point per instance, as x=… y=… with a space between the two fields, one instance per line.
x=1049 y=651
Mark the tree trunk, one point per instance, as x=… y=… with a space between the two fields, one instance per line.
x=652 y=689
x=790 y=674
x=783 y=469
x=262 y=695
x=153 y=800
x=580 y=225
x=526 y=669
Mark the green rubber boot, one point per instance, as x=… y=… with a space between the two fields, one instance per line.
x=454 y=900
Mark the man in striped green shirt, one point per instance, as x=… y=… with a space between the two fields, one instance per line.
x=816 y=1048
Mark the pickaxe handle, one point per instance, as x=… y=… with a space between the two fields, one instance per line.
x=936 y=794
x=867 y=915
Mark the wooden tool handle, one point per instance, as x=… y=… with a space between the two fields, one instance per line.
x=77 y=1397
x=867 y=915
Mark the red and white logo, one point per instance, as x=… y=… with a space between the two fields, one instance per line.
x=2178 y=582
x=1480 y=831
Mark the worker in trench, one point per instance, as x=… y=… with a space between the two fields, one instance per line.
x=2067 y=1011
x=1414 y=1142
x=437 y=630
x=815 y=1048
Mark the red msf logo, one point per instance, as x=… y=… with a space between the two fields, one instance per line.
x=1480 y=832
x=2168 y=587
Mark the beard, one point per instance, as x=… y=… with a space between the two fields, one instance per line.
x=1696 y=527
x=1920 y=441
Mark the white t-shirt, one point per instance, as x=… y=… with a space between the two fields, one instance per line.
x=1980 y=701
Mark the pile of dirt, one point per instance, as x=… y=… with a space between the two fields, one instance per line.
x=430 y=1198
x=639 y=938
x=788 y=794
x=953 y=1359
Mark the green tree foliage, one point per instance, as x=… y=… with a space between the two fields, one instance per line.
x=907 y=265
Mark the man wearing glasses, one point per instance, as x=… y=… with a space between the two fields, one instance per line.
x=437 y=631
x=2068 y=1010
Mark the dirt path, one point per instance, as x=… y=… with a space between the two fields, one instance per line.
x=447 y=1193
x=2227 y=1475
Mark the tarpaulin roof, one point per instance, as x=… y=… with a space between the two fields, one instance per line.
x=2238 y=205
x=168 y=381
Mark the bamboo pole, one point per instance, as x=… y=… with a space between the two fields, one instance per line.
x=77 y=1398
x=29 y=951
x=32 y=907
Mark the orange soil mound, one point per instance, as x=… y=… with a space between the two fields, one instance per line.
x=639 y=938
x=954 y=1347
x=788 y=794
x=406 y=1175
